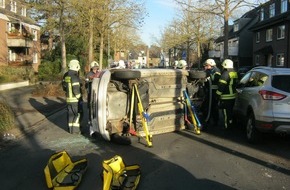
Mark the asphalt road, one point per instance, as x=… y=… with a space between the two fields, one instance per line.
x=216 y=159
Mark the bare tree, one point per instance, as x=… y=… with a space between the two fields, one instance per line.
x=225 y=9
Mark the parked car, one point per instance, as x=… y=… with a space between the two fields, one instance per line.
x=161 y=94
x=243 y=70
x=263 y=101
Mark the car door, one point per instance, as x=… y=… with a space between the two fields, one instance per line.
x=247 y=93
x=281 y=107
x=241 y=95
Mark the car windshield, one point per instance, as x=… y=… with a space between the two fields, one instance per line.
x=280 y=82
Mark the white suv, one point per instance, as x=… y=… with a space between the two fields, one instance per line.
x=263 y=101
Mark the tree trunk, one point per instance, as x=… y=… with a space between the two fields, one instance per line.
x=62 y=40
x=226 y=30
x=91 y=40
x=101 y=50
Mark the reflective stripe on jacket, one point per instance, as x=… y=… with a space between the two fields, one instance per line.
x=72 y=87
x=227 y=85
x=215 y=76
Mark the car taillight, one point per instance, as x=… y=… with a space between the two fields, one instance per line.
x=269 y=95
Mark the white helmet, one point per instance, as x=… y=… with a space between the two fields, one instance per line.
x=181 y=64
x=94 y=64
x=210 y=62
x=74 y=65
x=121 y=65
x=228 y=64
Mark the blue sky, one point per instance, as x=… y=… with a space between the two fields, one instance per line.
x=160 y=13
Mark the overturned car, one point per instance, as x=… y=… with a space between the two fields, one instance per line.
x=142 y=102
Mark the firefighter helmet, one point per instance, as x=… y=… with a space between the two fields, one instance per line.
x=74 y=65
x=228 y=64
x=94 y=64
x=210 y=62
x=121 y=64
x=181 y=64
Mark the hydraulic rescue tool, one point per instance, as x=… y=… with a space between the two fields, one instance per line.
x=193 y=115
x=143 y=115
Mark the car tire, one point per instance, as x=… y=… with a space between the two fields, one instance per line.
x=196 y=74
x=251 y=130
x=125 y=74
x=118 y=139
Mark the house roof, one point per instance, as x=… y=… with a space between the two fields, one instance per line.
x=250 y=15
x=271 y=21
x=16 y=17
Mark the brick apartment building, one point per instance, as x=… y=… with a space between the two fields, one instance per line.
x=19 y=36
x=271 y=34
x=260 y=37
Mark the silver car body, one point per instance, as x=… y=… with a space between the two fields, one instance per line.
x=272 y=110
x=161 y=91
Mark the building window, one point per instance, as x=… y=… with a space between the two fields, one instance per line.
x=262 y=14
x=12 y=55
x=13 y=6
x=236 y=27
x=34 y=32
x=23 y=11
x=280 y=59
x=281 y=32
x=272 y=10
x=269 y=35
x=222 y=31
x=2 y=3
x=257 y=60
x=257 y=37
x=35 y=58
x=283 y=6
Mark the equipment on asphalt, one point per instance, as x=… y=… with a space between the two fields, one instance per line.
x=193 y=115
x=61 y=173
x=116 y=175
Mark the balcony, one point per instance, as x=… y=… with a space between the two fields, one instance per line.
x=19 y=42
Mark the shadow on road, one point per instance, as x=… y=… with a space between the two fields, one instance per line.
x=235 y=152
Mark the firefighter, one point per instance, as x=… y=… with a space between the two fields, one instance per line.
x=227 y=91
x=94 y=73
x=72 y=87
x=213 y=75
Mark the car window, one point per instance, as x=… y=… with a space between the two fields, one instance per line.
x=281 y=82
x=245 y=79
x=256 y=79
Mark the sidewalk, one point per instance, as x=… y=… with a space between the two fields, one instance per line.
x=29 y=109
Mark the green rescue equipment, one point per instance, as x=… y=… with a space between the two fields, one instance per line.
x=116 y=175
x=63 y=174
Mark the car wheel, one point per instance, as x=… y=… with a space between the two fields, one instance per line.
x=125 y=74
x=196 y=74
x=124 y=140
x=252 y=133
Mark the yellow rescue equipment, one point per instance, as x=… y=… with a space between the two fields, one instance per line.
x=143 y=115
x=63 y=174
x=117 y=175
x=192 y=113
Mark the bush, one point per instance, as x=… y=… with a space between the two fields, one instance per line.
x=7 y=118
x=50 y=71
x=15 y=74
